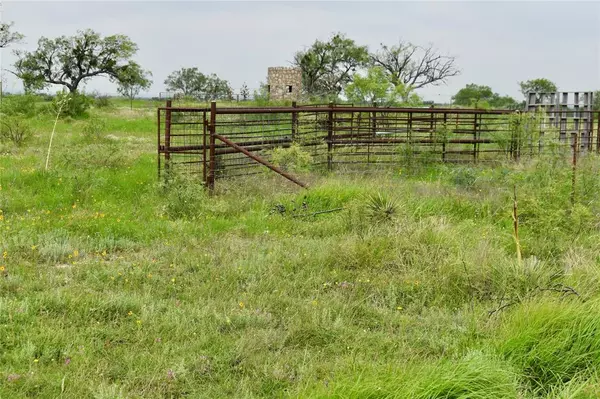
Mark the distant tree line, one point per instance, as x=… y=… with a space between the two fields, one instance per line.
x=337 y=67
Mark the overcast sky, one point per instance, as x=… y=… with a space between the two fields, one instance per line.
x=496 y=43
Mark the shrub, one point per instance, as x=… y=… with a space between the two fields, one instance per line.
x=94 y=128
x=293 y=158
x=102 y=101
x=184 y=199
x=15 y=129
x=21 y=105
x=96 y=156
x=76 y=106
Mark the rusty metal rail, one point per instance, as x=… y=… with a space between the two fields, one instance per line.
x=216 y=143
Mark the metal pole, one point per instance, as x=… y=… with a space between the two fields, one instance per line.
x=475 y=137
x=212 y=156
x=158 y=141
x=574 y=163
x=294 y=121
x=444 y=138
x=204 y=126
x=259 y=160
x=167 y=148
x=330 y=136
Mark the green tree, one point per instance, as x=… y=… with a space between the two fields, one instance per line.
x=245 y=92
x=377 y=87
x=188 y=81
x=480 y=96
x=327 y=67
x=472 y=95
x=540 y=85
x=132 y=81
x=216 y=89
x=192 y=82
x=7 y=36
x=414 y=66
x=71 y=61
x=596 y=103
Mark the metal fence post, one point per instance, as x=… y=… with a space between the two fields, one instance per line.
x=598 y=134
x=158 y=140
x=330 y=136
x=475 y=137
x=444 y=138
x=167 y=148
x=212 y=154
x=374 y=120
x=294 y=121
x=574 y=164
x=204 y=163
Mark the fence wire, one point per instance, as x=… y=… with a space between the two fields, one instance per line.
x=346 y=136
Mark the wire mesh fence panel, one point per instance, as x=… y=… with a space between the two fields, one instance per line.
x=337 y=137
x=182 y=141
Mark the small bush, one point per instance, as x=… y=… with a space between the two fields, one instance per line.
x=184 y=199
x=21 y=105
x=76 y=106
x=96 y=156
x=102 y=101
x=94 y=128
x=14 y=129
x=293 y=158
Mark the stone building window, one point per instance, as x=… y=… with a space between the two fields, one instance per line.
x=289 y=89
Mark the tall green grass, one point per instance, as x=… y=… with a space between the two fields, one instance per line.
x=115 y=285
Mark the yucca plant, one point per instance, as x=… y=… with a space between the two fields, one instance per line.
x=381 y=208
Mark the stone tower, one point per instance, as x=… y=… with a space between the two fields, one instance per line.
x=284 y=83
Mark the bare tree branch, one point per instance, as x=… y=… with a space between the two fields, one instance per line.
x=413 y=65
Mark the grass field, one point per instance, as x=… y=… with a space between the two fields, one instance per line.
x=115 y=286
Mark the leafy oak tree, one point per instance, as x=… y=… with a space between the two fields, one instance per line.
x=540 y=85
x=480 y=96
x=7 y=37
x=187 y=81
x=132 y=81
x=327 y=67
x=191 y=82
x=71 y=61
x=377 y=87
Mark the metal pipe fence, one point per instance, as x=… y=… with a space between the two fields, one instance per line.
x=344 y=136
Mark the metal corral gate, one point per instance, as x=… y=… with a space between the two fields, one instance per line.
x=215 y=143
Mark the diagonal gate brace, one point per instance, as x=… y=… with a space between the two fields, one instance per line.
x=260 y=160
